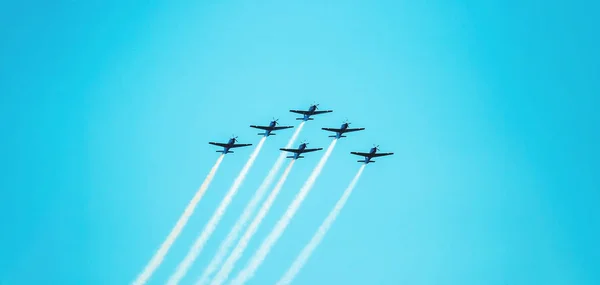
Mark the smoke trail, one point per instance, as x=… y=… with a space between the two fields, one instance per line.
x=196 y=248
x=223 y=274
x=272 y=238
x=316 y=239
x=187 y=213
x=247 y=213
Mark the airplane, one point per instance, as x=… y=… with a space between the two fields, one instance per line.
x=372 y=153
x=230 y=144
x=312 y=110
x=271 y=127
x=300 y=150
x=339 y=133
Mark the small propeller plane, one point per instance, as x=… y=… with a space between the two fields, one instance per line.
x=372 y=153
x=312 y=110
x=339 y=133
x=300 y=150
x=230 y=144
x=270 y=128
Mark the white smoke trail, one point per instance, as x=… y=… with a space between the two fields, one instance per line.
x=246 y=214
x=237 y=252
x=291 y=273
x=196 y=248
x=187 y=213
x=272 y=238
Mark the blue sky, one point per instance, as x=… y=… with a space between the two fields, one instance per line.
x=106 y=108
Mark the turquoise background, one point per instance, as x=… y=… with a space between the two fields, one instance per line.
x=491 y=108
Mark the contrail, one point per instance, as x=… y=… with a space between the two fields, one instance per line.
x=316 y=239
x=272 y=238
x=246 y=214
x=187 y=213
x=196 y=248
x=243 y=242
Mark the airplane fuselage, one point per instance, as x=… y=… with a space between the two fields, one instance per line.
x=342 y=128
x=272 y=124
x=230 y=142
x=300 y=148
x=372 y=151
x=311 y=111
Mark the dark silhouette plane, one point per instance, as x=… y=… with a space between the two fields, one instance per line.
x=230 y=144
x=339 y=133
x=270 y=128
x=372 y=153
x=300 y=150
x=312 y=110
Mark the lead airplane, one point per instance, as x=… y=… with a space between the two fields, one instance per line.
x=300 y=150
x=372 y=153
x=270 y=128
x=230 y=144
x=312 y=110
x=339 y=133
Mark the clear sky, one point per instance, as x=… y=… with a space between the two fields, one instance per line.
x=106 y=108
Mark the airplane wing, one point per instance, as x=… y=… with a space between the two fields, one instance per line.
x=332 y=130
x=261 y=127
x=290 y=150
x=311 y=149
x=353 y=130
x=381 y=154
x=360 y=153
x=240 y=145
x=282 y=127
x=300 y=112
x=218 y=144
x=321 y=112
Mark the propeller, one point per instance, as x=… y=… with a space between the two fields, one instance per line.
x=276 y=121
x=346 y=122
x=234 y=137
x=304 y=142
x=376 y=147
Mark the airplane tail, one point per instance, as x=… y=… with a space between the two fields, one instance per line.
x=225 y=152
x=265 y=134
x=304 y=119
x=365 y=161
x=337 y=136
x=291 y=156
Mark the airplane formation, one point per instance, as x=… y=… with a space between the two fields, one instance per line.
x=297 y=153
x=225 y=266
